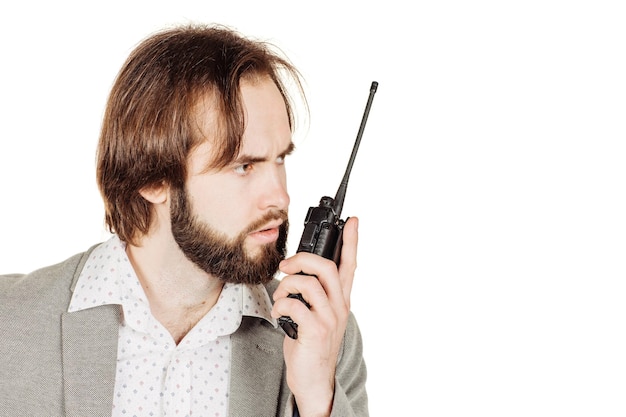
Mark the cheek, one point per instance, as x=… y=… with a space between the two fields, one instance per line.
x=222 y=206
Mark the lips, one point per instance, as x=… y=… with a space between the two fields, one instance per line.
x=267 y=233
x=271 y=225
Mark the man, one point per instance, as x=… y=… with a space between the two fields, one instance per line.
x=177 y=313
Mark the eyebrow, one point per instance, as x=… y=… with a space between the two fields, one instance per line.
x=250 y=159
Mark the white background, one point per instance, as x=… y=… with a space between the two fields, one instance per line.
x=490 y=182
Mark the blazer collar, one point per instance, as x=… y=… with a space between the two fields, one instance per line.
x=89 y=352
x=257 y=385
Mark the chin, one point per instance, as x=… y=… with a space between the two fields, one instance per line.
x=254 y=252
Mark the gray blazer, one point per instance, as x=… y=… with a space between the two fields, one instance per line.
x=55 y=363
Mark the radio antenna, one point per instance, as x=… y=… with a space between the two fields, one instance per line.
x=343 y=187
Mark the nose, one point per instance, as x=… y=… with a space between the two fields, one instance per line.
x=274 y=190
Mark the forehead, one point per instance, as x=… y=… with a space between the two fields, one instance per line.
x=265 y=113
x=267 y=127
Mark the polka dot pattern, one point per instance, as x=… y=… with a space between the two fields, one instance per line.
x=154 y=376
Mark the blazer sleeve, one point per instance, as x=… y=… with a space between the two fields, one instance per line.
x=351 y=374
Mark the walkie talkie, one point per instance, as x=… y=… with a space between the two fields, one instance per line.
x=323 y=227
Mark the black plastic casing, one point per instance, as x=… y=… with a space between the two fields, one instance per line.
x=323 y=232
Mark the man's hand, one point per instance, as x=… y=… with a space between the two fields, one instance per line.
x=311 y=358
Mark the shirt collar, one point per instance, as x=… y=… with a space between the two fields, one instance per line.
x=256 y=303
x=109 y=278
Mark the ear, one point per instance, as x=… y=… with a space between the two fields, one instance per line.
x=155 y=193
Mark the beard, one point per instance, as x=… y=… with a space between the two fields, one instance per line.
x=224 y=258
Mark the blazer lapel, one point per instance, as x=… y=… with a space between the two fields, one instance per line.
x=257 y=370
x=89 y=360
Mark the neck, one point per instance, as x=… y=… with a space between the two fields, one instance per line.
x=179 y=293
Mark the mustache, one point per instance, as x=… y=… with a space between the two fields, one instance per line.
x=266 y=218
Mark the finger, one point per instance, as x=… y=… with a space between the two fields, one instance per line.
x=325 y=271
x=319 y=313
x=308 y=264
x=291 y=307
x=307 y=285
x=311 y=291
x=348 y=263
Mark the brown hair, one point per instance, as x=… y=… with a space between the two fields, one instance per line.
x=150 y=126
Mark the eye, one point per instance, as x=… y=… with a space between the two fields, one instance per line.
x=280 y=160
x=243 y=169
